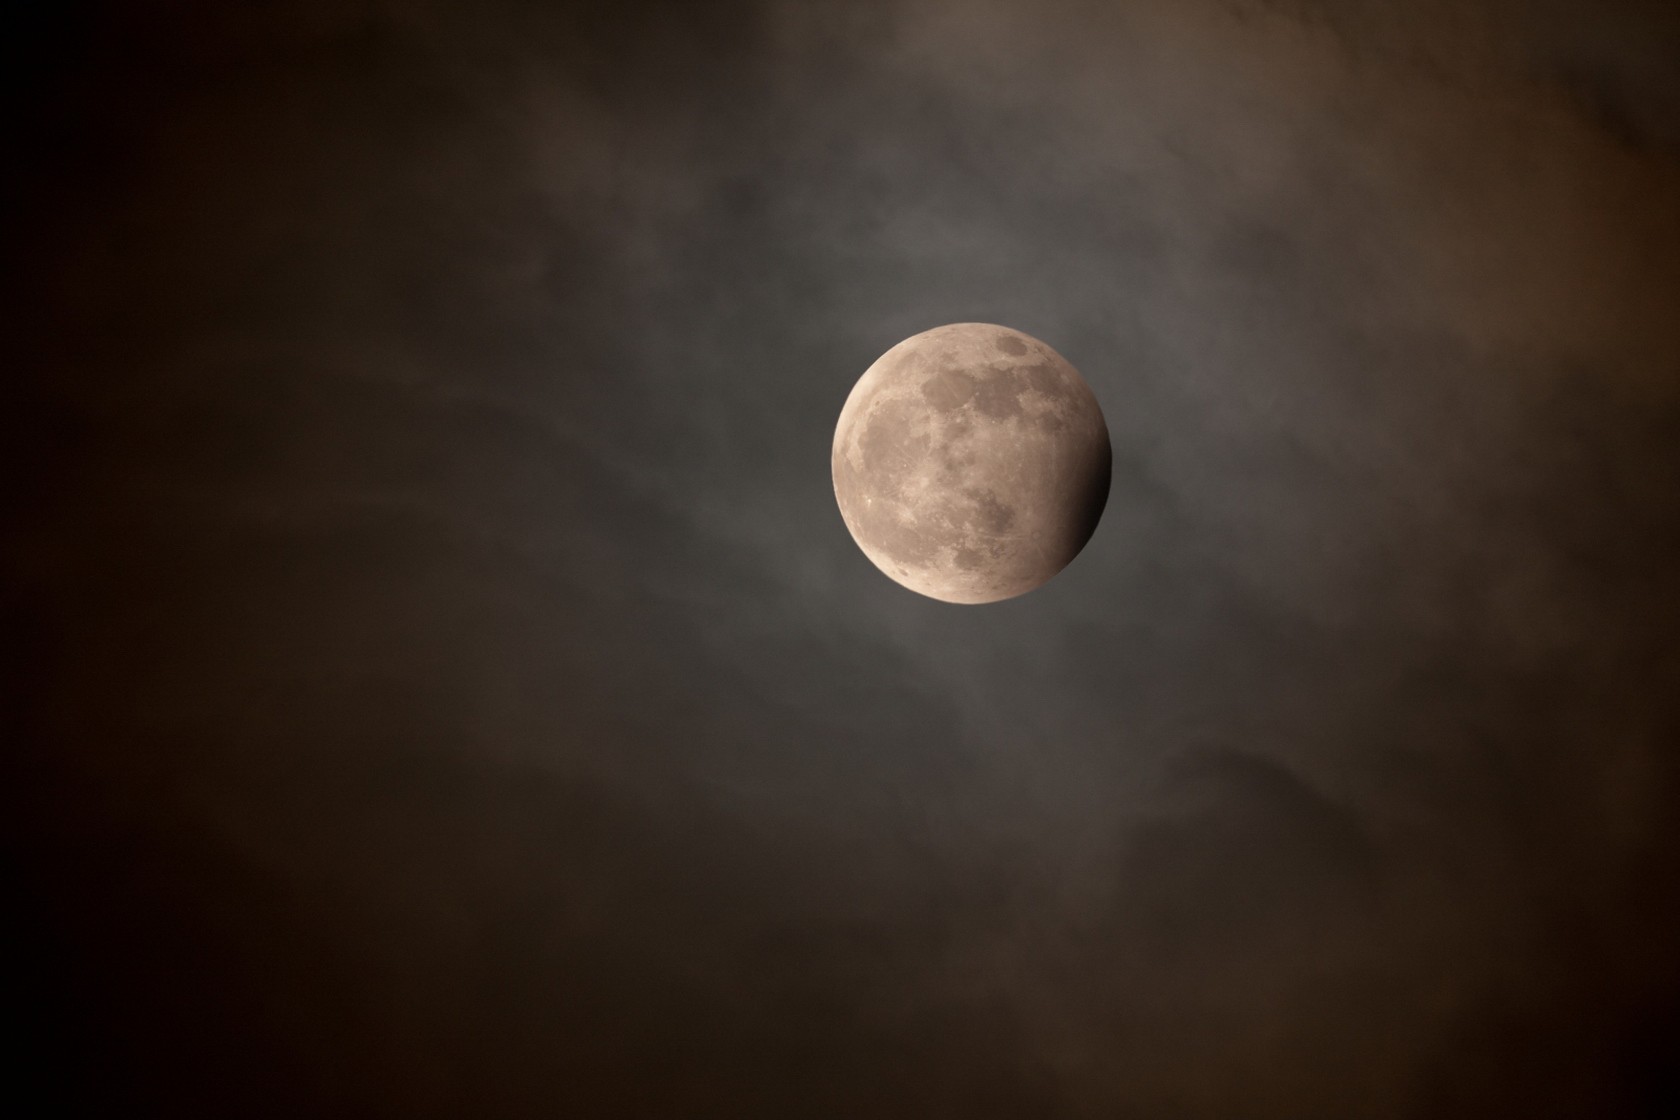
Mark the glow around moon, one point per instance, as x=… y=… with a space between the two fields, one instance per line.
x=971 y=463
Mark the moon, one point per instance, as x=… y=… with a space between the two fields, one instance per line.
x=971 y=463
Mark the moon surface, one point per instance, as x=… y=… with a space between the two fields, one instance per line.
x=971 y=463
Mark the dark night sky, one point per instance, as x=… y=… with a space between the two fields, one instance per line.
x=439 y=682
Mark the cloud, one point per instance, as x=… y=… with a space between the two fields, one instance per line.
x=436 y=617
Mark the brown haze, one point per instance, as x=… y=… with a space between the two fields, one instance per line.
x=440 y=683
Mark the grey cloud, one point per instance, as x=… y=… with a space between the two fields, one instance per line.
x=448 y=687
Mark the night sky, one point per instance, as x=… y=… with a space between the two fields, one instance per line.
x=438 y=681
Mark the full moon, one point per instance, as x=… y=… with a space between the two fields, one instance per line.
x=971 y=463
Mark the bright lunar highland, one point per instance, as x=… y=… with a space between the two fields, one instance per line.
x=971 y=463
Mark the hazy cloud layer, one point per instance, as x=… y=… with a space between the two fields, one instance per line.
x=445 y=687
